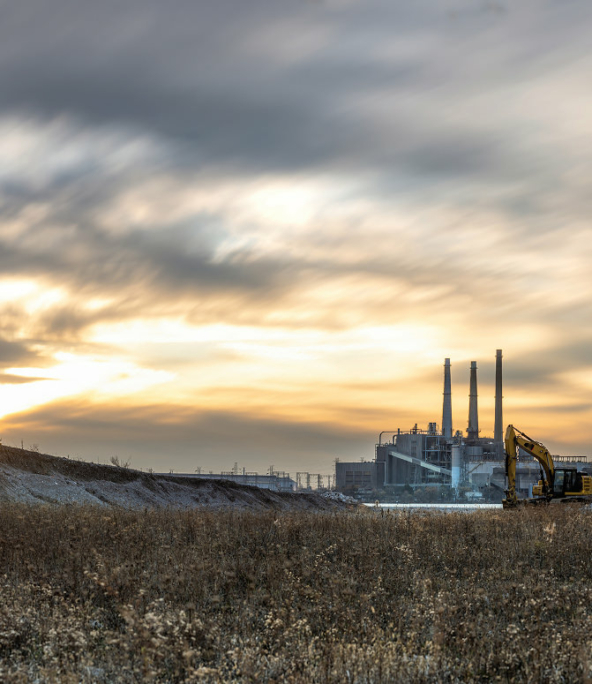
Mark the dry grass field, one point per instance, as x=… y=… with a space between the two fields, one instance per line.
x=95 y=595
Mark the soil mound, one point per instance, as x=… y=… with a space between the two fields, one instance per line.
x=31 y=477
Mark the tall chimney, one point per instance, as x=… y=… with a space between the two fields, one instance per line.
x=498 y=431
x=473 y=430
x=447 y=407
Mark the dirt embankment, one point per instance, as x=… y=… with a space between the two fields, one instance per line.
x=30 y=477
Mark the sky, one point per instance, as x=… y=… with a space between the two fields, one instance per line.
x=251 y=232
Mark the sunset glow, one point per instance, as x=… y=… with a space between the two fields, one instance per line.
x=253 y=233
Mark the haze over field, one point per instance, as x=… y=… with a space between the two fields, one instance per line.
x=253 y=231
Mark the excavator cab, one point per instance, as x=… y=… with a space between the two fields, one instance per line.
x=566 y=482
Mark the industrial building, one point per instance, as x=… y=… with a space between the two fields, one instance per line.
x=276 y=482
x=434 y=457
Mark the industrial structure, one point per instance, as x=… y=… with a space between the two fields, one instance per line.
x=275 y=480
x=419 y=458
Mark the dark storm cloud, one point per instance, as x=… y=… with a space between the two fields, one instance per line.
x=185 y=74
x=266 y=85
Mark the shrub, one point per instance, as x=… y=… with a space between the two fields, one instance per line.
x=169 y=596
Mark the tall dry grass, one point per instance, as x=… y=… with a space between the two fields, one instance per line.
x=89 y=595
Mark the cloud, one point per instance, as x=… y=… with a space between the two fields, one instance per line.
x=276 y=87
x=545 y=369
x=12 y=353
x=410 y=169
x=165 y=436
x=8 y=379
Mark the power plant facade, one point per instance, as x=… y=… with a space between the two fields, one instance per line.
x=439 y=456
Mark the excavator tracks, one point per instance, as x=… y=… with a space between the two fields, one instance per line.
x=541 y=501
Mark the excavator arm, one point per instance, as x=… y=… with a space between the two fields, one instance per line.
x=514 y=439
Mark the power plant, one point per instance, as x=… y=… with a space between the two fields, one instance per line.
x=436 y=457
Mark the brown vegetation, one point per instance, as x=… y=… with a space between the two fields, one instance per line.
x=91 y=595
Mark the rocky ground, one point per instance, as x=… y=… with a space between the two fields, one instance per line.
x=30 y=477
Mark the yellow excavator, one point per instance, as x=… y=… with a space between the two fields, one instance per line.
x=565 y=485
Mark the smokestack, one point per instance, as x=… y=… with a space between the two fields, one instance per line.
x=498 y=432
x=447 y=407
x=473 y=430
x=456 y=465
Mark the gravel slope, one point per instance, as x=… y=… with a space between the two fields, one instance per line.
x=30 y=477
